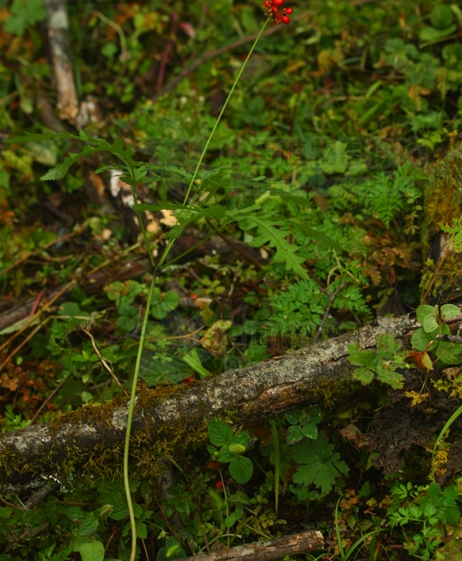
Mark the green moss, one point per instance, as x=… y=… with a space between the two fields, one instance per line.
x=443 y=203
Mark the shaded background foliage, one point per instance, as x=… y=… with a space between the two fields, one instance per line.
x=339 y=111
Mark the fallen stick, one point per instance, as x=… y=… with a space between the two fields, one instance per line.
x=306 y=542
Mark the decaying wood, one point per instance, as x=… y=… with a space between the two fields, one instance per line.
x=306 y=542
x=90 y=440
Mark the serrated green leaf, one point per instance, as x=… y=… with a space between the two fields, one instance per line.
x=268 y=234
x=310 y=430
x=320 y=465
x=324 y=241
x=234 y=517
x=170 y=300
x=24 y=14
x=219 y=433
x=294 y=416
x=360 y=357
x=294 y=434
x=224 y=455
x=60 y=170
x=87 y=526
x=92 y=551
x=387 y=346
x=241 y=469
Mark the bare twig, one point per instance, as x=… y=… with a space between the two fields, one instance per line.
x=326 y=313
x=306 y=542
x=104 y=362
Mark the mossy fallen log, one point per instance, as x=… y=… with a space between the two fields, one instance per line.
x=169 y=419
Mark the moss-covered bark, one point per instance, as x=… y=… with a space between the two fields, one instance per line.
x=442 y=271
x=168 y=420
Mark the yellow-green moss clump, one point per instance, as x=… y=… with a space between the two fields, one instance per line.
x=442 y=204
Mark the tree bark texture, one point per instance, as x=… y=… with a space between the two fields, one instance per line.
x=170 y=419
x=306 y=542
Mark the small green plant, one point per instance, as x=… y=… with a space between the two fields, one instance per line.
x=381 y=365
x=302 y=424
x=456 y=233
x=345 y=553
x=425 y=512
x=318 y=465
x=433 y=320
x=231 y=447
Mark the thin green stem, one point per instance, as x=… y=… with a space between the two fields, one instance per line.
x=131 y=409
x=217 y=122
x=165 y=253
x=277 y=463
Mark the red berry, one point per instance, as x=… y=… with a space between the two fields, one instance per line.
x=267 y=4
x=285 y=19
x=219 y=485
x=289 y=11
x=278 y=3
x=212 y=465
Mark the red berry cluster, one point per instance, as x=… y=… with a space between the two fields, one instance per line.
x=273 y=9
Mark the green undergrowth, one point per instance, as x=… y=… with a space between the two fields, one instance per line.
x=314 y=182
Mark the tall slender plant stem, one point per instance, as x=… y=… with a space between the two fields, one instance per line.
x=165 y=253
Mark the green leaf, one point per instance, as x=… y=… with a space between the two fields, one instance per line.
x=335 y=158
x=24 y=14
x=224 y=455
x=449 y=311
x=294 y=416
x=87 y=526
x=420 y=339
x=441 y=16
x=449 y=353
x=324 y=241
x=234 y=517
x=241 y=438
x=432 y=34
x=423 y=312
x=220 y=434
x=93 y=551
x=241 y=469
x=60 y=170
x=268 y=234
x=320 y=465
x=430 y=323
x=294 y=434
x=310 y=430
x=129 y=317
x=387 y=345
x=170 y=301
x=360 y=357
